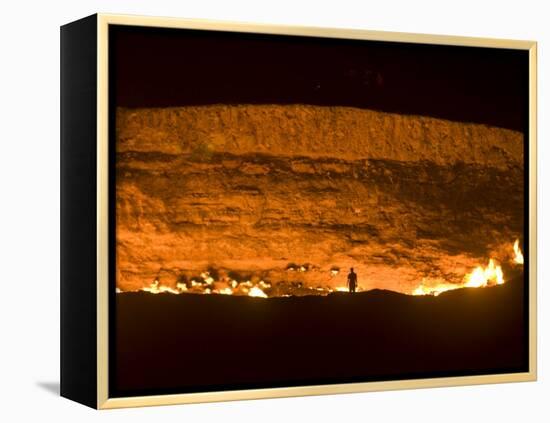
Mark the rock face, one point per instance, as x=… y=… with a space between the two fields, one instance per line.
x=260 y=190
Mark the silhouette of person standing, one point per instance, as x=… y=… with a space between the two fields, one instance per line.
x=352 y=280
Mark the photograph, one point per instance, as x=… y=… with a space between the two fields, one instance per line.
x=266 y=212
x=292 y=210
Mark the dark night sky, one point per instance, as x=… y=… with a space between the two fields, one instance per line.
x=161 y=67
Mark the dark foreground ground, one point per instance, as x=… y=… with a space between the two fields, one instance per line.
x=187 y=343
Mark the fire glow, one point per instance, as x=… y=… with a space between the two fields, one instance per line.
x=518 y=256
x=207 y=285
x=482 y=276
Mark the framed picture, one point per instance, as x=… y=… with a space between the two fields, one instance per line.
x=254 y=211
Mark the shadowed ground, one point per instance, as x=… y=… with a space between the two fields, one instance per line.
x=188 y=343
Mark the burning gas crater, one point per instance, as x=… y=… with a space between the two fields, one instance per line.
x=481 y=276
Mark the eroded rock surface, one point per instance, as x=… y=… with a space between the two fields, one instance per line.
x=258 y=189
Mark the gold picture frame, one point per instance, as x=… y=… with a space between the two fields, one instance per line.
x=101 y=313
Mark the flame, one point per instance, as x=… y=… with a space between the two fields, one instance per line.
x=480 y=276
x=490 y=275
x=264 y=285
x=207 y=278
x=256 y=292
x=209 y=286
x=426 y=288
x=518 y=258
x=157 y=288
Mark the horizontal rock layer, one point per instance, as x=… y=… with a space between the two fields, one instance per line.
x=257 y=189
